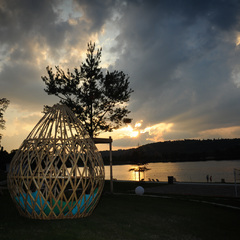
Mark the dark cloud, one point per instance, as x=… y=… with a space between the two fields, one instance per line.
x=34 y=34
x=97 y=11
x=181 y=56
x=25 y=19
x=25 y=89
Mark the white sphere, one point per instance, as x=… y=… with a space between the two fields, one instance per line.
x=139 y=190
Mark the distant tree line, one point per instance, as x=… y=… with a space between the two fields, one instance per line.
x=168 y=151
x=178 y=151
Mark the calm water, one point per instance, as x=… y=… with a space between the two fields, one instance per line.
x=183 y=172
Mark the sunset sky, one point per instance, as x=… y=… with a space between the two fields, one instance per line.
x=182 y=57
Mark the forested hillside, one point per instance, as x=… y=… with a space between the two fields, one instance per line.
x=181 y=150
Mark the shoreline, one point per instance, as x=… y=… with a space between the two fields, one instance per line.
x=218 y=190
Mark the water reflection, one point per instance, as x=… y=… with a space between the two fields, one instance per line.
x=138 y=171
x=182 y=171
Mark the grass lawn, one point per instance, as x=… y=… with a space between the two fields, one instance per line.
x=125 y=217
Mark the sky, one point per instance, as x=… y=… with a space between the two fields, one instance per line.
x=182 y=58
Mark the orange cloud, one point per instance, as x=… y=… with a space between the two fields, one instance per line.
x=157 y=131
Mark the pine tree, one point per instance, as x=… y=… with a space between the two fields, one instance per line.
x=98 y=100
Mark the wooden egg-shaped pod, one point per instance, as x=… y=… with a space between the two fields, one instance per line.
x=57 y=173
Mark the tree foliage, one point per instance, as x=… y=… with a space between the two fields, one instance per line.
x=98 y=99
x=3 y=106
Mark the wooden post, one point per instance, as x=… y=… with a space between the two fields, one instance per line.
x=235 y=182
x=107 y=140
x=111 y=171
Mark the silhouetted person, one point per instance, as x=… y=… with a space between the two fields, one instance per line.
x=210 y=178
x=207 y=177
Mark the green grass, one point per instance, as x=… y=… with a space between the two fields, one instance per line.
x=125 y=217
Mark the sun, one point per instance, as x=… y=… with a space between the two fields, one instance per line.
x=134 y=134
x=129 y=131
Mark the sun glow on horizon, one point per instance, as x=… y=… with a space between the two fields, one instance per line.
x=128 y=131
x=137 y=132
x=155 y=132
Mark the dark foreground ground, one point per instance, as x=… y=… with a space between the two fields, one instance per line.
x=179 y=211
x=128 y=217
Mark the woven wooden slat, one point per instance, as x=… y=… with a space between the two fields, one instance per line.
x=57 y=172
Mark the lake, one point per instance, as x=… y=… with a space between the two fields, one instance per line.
x=182 y=171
